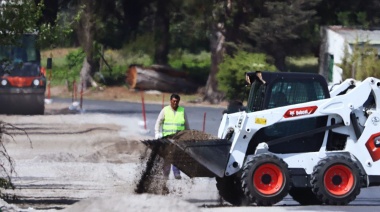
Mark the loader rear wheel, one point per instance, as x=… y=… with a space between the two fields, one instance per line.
x=336 y=180
x=304 y=196
x=266 y=179
x=231 y=191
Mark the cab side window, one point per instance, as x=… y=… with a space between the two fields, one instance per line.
x=294 y=92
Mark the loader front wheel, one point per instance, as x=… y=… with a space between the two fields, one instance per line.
x=266 y=179
x=231 y=191
x=336 y=180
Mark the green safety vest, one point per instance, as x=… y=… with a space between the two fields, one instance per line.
x=173 y=123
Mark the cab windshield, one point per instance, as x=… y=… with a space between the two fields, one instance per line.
x=23 y=51
x=20 y=59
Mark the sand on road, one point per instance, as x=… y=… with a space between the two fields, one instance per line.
x=89 y=162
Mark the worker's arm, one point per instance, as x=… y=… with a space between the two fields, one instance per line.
x=187 y=126
x=158 y=125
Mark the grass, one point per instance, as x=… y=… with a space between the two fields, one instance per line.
x=58 y=55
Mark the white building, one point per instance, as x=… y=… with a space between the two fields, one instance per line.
x=334 y=41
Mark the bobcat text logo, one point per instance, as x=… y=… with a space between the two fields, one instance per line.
x=300 y=111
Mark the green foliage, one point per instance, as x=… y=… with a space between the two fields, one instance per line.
x=196 y=65
x=75 y=58
x=137 y=51
x=56 y=35
x=113 y=69
x=113 y=76
x=363 y=62
x=69 y=69
x=138 y=58
x=290 y=28
x=231 y=75
x=141 y=45
x=16 y=18
x=62 y=75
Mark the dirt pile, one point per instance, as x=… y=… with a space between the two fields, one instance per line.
x=191 y=135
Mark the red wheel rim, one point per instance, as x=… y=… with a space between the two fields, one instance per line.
x=339 y=180
x=268 y=179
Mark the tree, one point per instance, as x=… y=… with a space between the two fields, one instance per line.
x=231 y=75
x=161 y=32
x=222 y=30
x=278 y=27
x=90 y=17
x=347 y=13
x=217 y=48
x=16 y=18
x=225 y=38
x=86 y=36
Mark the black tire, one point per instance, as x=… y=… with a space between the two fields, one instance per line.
x=304 y=196
x=336 y=180
x=266 y=179
x=231 y=191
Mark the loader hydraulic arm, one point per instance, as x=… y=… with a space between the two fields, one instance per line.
x=336 y=90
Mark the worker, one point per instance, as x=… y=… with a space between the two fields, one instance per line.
x=171 y=120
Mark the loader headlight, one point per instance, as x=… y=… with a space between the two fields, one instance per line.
x=4 y=82
x=36 y=82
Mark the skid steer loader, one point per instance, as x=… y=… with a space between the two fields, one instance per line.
x=295 y=137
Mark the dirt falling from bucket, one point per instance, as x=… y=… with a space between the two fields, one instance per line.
x=151 y=179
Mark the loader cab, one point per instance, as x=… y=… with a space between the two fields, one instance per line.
x=276 y=89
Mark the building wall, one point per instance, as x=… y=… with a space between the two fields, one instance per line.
x=333 y=44
x=336 y=47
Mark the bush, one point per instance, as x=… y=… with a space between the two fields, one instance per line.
x=363 y=62
x=196 y=65
x=231 y=75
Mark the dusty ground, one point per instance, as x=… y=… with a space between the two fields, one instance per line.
x=92 y=162
x=89 y=162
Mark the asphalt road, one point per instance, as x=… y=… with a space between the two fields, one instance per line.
x=199 y=117
x=209 y=118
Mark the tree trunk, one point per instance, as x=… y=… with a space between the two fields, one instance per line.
x=162 y=34
x=86 y=31
x=159 y=78
x=86 y=78
x=279 y=60
x=217 y=39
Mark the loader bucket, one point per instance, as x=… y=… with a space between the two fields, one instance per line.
x=204 y=158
